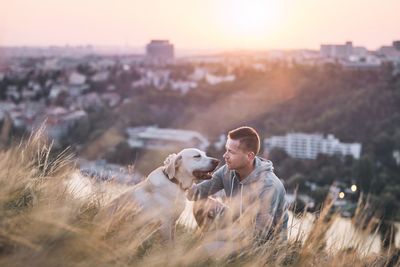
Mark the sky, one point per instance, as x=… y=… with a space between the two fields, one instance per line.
x=200 y=24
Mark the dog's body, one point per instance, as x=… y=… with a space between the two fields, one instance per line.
x=161 y=197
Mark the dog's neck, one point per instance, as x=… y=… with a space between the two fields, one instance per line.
x=174 y=180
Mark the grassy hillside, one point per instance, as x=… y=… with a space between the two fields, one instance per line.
x=43 y=224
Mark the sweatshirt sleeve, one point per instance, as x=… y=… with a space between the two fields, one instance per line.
x=209 y=187
x=269 y=200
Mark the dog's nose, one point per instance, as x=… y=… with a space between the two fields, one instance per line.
x=215 y=162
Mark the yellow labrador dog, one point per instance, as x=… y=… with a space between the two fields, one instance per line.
x=161 y=197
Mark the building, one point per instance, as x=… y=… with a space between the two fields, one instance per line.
x=155 y=138
x=159 y=51
x=59 y=123
x=76 y=78
x=343 y=52
x=336 y=51
x=360 y=51
x=58 y=126
x=396 y=44
x=308 y=146
x=362 y=62
x=390 y=53
x=105 y=171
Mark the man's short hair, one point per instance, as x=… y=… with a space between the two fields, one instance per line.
x=248 y=138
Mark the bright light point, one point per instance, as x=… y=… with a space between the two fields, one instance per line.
x=341 y=195
x=249 y=21
x=353 y=188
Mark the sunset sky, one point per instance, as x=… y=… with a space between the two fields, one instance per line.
x=200 y=24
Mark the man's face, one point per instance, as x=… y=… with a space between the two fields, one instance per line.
x=235 y=157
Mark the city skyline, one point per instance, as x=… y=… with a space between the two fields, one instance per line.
x=206 y=24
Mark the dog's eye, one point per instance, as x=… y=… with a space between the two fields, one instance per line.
x=197 y=156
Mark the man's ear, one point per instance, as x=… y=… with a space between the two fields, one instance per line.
x=171 y=164
x=251 y=155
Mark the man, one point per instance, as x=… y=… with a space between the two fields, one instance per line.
x=252 y=189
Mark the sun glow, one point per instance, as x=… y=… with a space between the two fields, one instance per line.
x=251 y=20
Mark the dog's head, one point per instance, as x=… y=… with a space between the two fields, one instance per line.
x=190 y=164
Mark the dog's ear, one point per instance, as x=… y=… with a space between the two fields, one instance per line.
x=171 y=163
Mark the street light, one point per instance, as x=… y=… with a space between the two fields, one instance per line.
x=341 y=195
x=353 y=188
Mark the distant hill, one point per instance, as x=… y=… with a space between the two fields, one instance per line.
x=355 y=106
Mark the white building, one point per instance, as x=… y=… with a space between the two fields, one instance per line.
x=199 y=74
x=362 y=62
x=308 y=146
x=203 y=74
x=183 y=86
x=213 y=79
x=164 y=139
x=76 y=78
x=157 y=78
x=390 y=53
x=336 y=51
x=360 y=51
x=100 y=76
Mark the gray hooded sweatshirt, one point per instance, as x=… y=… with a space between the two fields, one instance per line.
x=261 y=189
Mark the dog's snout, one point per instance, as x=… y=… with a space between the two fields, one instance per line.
x=215 y=161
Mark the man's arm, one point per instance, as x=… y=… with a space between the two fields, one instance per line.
x=207 y=188
x=267 y=209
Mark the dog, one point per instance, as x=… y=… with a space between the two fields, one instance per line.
x=161 y=196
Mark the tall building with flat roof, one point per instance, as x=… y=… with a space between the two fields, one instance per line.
x=308 y=146
x=336 y=51
x=159 y=51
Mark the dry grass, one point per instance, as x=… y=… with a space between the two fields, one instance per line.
x=42 y=224
x=102 y=144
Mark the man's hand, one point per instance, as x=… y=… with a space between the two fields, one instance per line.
x=216 y=208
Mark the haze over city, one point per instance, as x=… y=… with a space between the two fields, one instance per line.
x=205 y=24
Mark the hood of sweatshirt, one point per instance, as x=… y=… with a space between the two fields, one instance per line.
x=261 y=166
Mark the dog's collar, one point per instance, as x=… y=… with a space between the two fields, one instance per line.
x=174 y=180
